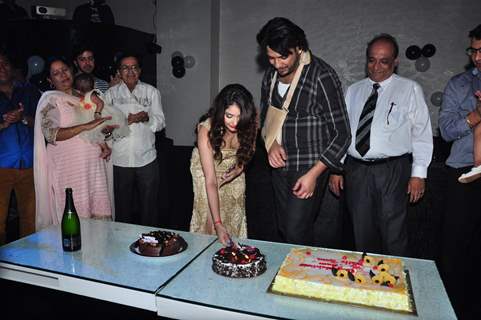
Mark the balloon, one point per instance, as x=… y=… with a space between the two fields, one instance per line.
x=437 y=98
x=189 y=61
x=413 y=52
x=428 y=50
x=177 y=61
x=35 y=65
x=177 y=54
x=178 y=72
x=422 y=64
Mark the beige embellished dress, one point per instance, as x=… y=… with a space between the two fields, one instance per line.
x=231 y=196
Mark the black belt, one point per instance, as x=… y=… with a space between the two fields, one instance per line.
x=372 y=162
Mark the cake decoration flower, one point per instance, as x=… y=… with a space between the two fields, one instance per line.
x=383 y=267
x=383 y=278
x=367 y=259
x=340 y=273
x=388 y=279
x=359 y=279
x=377 y=279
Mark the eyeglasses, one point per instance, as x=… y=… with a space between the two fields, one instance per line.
x=472 y=51
x=133 y=68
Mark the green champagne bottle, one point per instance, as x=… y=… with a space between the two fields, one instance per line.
x=71 y=240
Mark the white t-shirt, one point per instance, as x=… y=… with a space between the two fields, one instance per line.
x=137 y=149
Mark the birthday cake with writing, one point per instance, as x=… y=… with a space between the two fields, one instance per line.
x=239 y=262
x=347 y=277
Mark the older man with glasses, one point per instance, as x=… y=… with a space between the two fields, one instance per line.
x=136 y=170
x=388 y=159
x=460 y=116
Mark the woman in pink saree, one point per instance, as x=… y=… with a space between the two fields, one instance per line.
x=63 y=159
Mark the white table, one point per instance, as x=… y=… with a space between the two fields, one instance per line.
x=184 y=286
x=199 y=293
x=104 y=268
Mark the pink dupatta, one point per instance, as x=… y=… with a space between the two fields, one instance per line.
x=44 y=173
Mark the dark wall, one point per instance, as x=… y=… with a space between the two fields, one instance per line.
x=45 y=38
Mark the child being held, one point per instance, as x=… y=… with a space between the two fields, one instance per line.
x=93 y=107
x=475 y=172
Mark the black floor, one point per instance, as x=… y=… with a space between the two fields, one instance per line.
x=23 y=301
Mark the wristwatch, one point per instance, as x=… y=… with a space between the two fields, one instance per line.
x=25 y=121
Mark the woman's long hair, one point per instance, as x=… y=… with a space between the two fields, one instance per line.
x=246 y=127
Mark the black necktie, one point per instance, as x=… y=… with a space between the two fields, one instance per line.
x=363 y=132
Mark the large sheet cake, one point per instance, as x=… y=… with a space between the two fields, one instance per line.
x=347 y=277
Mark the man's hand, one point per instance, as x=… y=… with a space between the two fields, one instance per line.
x=474 y=117
x=14 y=115
x=277 y=156
x=415 y=189
x=230 y=175
x=336 y=184
x=141 y=116
x=114 y=80
x=478 y=103
x=305 y=186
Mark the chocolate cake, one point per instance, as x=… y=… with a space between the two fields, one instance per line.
x=241 y=262
x=160 y=243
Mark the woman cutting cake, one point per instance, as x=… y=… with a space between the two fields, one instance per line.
x=225 y=143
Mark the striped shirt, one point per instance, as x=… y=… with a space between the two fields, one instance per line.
x=316 y=127
x=100 y=84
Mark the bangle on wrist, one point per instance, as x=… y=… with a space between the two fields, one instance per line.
x=217 y=222
x=97 y=112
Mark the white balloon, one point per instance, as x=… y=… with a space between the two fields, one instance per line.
x=422 y=64
x=189 y=61
x=35 y=65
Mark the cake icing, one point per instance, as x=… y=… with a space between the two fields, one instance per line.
x=344 y=277
x=241 y=262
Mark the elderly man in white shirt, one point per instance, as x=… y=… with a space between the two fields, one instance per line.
x=388 y=159
x=134 y=157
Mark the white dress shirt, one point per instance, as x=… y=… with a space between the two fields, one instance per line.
x=137 y=149
x=400 y=125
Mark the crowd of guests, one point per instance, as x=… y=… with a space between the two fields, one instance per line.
x=80 y=134
x=371 y=146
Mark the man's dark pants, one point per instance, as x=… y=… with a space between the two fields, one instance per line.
x=377 y=199
x=295 y=217
x=143 y=182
